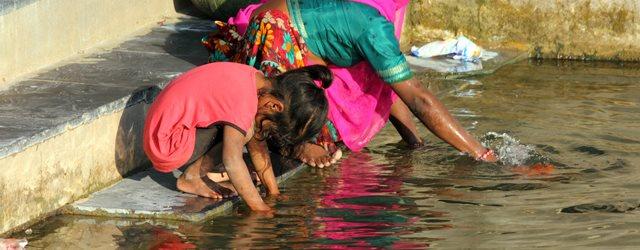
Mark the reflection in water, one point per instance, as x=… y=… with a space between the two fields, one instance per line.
x=151 y=237
x=361 y=207
x=571 y=179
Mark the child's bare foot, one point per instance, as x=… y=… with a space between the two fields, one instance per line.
x=195 y=181
x=317 y=156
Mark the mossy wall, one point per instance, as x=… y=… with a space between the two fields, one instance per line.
x=560 y=29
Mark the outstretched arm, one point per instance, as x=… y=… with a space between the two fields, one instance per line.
x=262 y=163
x=233 y=141
x=437 y=118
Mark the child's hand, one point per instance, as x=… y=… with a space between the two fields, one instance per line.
x=271 y=199
x=270 y=213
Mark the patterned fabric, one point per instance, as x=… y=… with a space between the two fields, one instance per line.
x=222 y=42
x=270 y=44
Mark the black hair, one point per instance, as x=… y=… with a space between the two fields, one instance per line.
x=305 y=106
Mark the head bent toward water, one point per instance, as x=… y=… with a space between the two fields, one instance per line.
x=294 y=109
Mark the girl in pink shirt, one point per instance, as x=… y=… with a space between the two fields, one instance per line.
x=237 y=103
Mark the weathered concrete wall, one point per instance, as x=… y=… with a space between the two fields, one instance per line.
x=46 y=176
x=37 y=33
x=563 y=29
x=77 y=127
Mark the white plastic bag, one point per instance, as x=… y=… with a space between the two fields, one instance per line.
x=460 y=48
x=12 y=244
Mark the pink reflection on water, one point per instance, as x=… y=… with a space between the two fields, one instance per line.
x=361 y=207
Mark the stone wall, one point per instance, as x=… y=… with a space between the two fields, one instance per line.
x=560 y=29
x=38 y=33
x=37 y=181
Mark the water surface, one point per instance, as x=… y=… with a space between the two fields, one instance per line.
x=583 y=118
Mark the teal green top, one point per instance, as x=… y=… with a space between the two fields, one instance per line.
x=345 y=33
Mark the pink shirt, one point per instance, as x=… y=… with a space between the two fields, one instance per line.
x=215 y=93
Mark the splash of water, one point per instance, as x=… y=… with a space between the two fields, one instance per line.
x=509 y=149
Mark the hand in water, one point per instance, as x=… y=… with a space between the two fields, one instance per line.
x=270 y=213
x=488 y=156
x=272 y=199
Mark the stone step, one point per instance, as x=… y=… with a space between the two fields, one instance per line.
x=37 y=33
x=153 y=195
x=76 y=128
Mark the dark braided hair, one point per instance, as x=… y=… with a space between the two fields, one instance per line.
x=305 y=106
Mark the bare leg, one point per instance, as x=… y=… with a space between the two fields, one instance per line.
x=221 y=177
x=218 y=173
x=194 y=180
x=402 y=119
